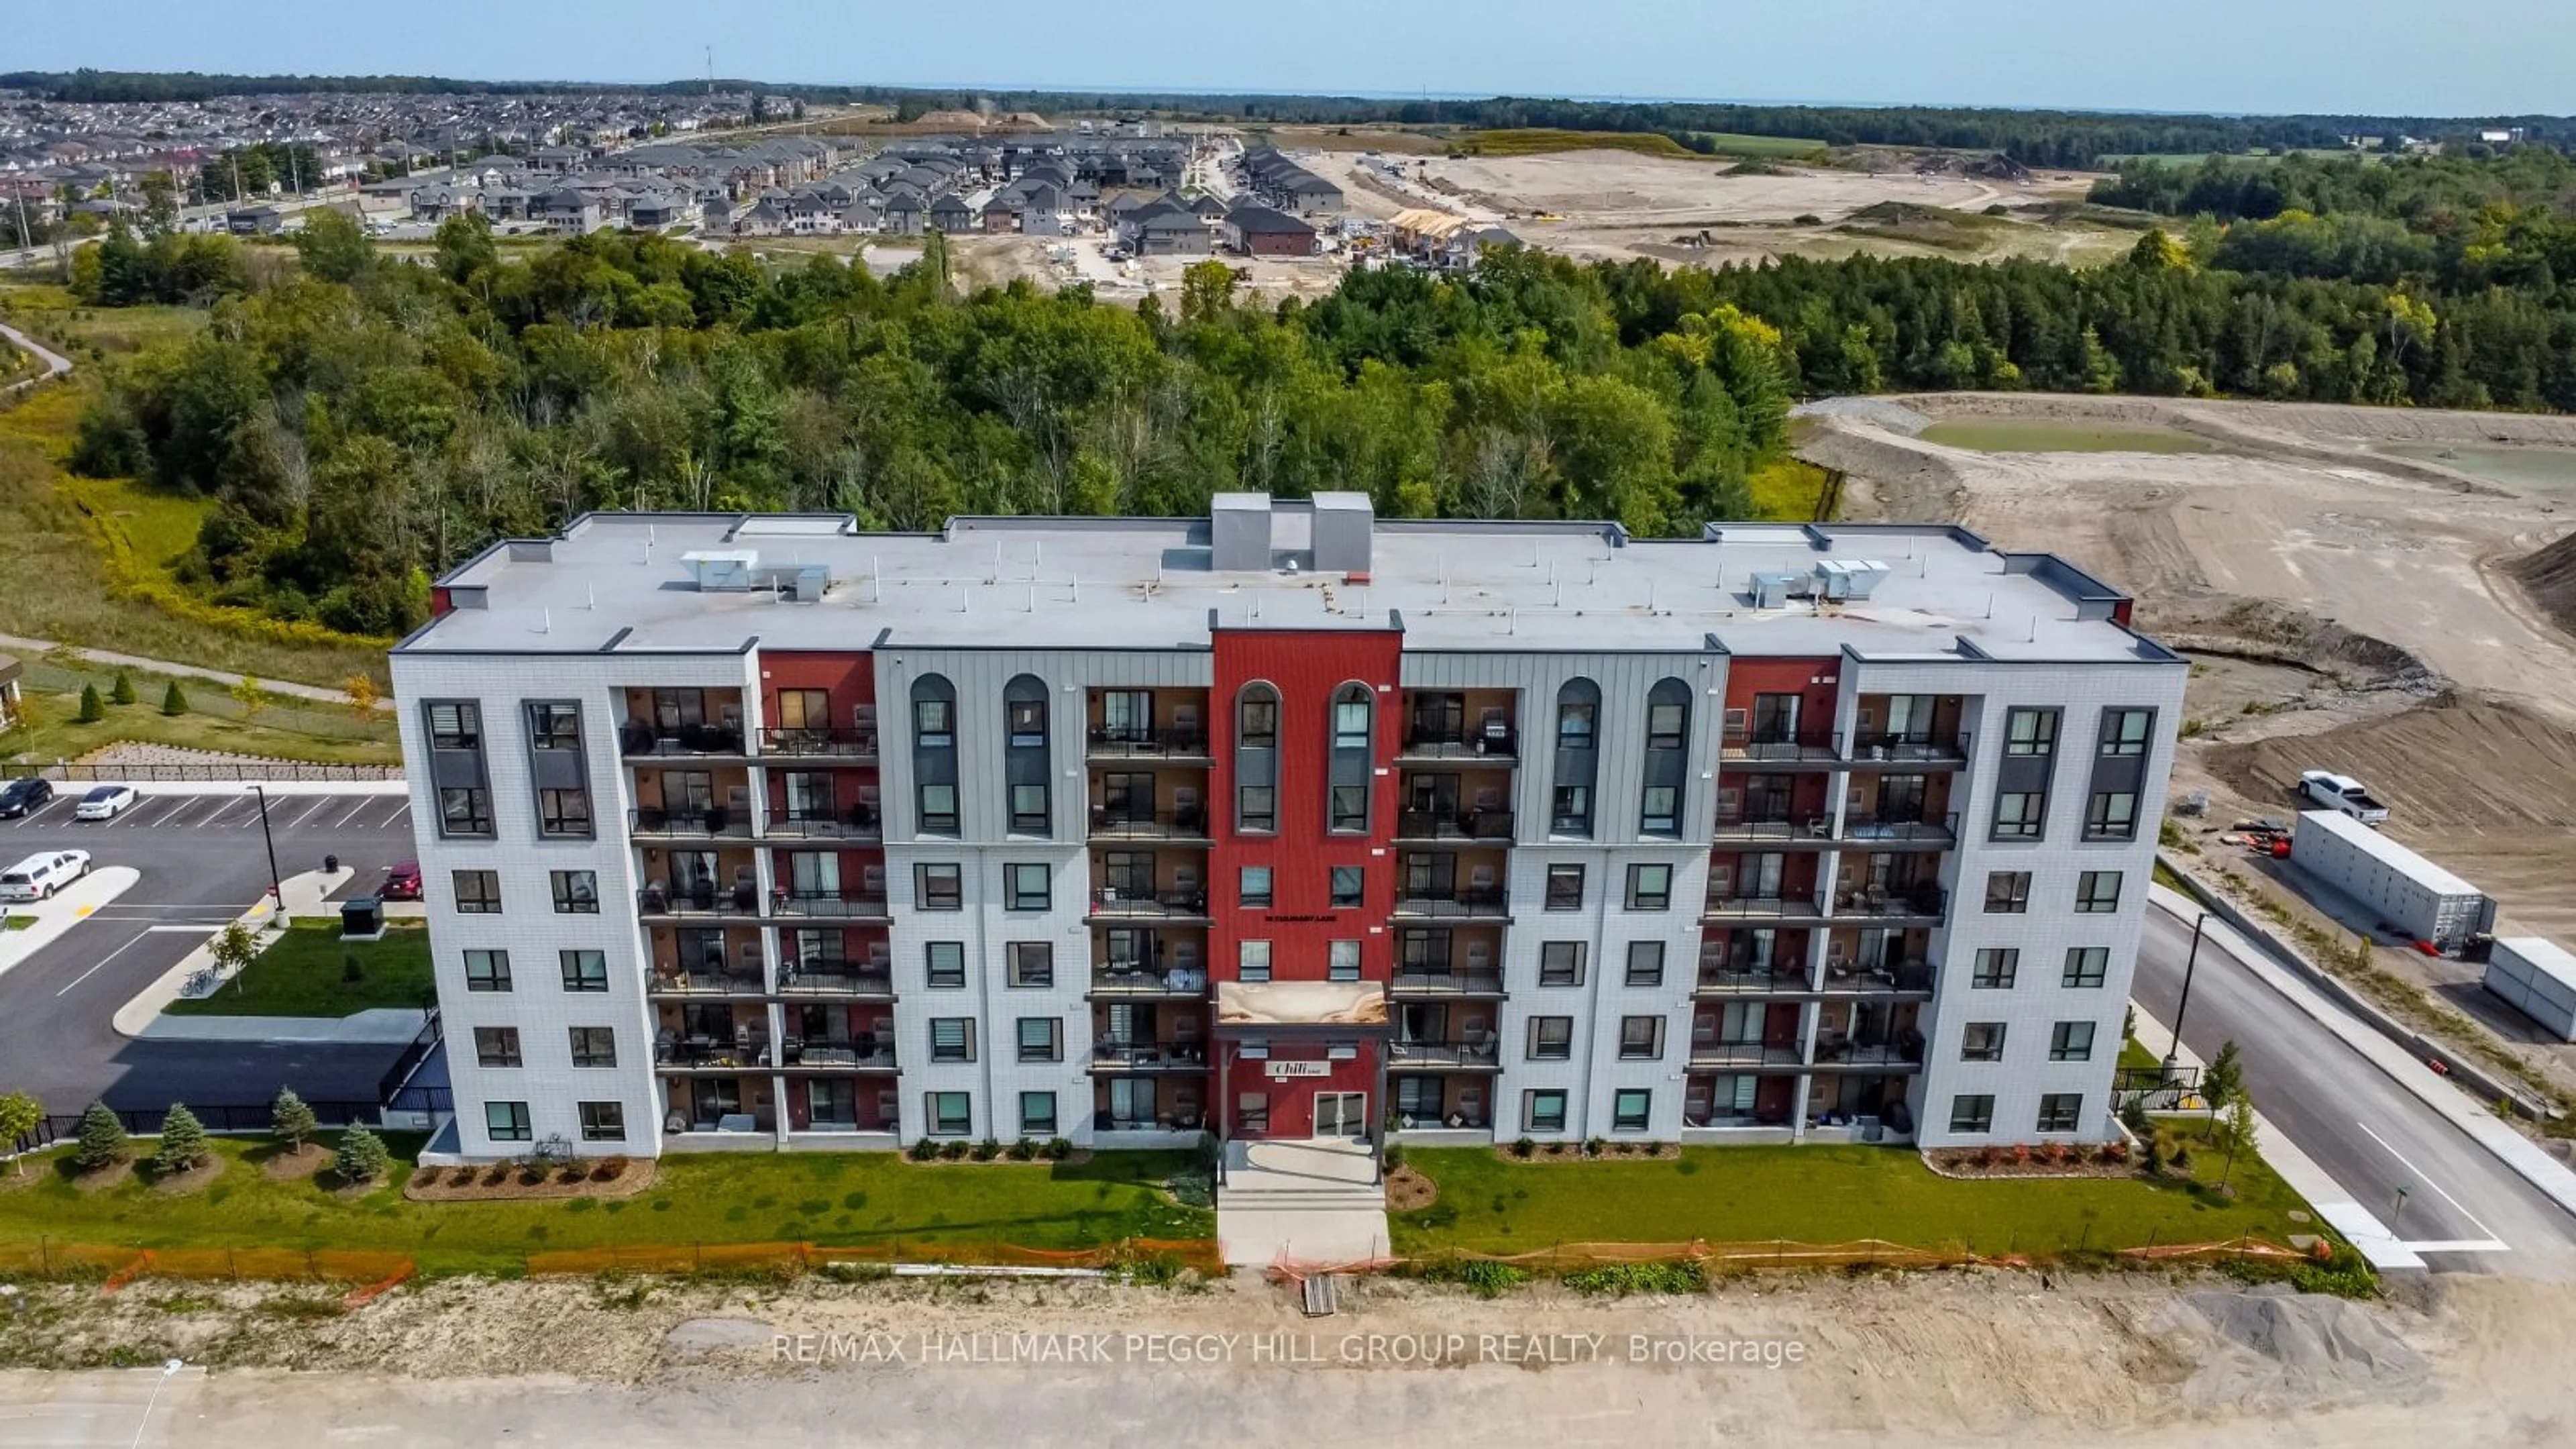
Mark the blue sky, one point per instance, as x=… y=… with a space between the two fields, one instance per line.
x=2377 y=56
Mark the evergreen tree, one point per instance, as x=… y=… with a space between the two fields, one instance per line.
x=362 y=1156
x=173 y=702
x=92 y=708
x=291 y=1119
x=123 y=691
x=102 y=1139
x=183 y=1142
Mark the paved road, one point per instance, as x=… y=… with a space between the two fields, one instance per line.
x=202 y=863
x=2370 y=1134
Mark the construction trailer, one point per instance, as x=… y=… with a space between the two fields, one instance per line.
x=2402 y=888
x=2536 y=977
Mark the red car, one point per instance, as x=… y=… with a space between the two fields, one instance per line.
x=402 y=882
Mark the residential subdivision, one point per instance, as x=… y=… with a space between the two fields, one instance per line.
x=761 y=832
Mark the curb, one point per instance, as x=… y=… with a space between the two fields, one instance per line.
x=56 y=917
x=305 y=894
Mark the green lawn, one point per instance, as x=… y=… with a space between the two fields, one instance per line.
x=836 y=1199
x=301 y=975
x=2133 y=1055
x=16 y=923
x=1822 y=1194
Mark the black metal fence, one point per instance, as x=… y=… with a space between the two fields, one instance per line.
x=282 y=771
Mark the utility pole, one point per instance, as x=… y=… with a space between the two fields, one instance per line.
x=275 y=892
x=2182 y=1008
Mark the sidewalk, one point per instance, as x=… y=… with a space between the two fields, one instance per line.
x=306 y=896
x=2502 y=1142
x=57 y=916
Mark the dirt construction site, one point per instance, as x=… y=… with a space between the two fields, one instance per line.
x=2382 y=593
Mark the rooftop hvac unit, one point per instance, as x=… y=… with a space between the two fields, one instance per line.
x=1775 y=590
x=1848 y=578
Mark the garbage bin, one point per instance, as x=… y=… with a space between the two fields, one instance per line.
x=362 y=918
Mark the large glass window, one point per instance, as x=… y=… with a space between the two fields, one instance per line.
x=2127 y=731
x=2030 y=732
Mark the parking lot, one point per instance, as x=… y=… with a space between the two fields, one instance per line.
x=202 y=861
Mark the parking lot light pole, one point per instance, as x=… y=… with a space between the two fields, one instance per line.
x=275 y=892
x=2182 y=1008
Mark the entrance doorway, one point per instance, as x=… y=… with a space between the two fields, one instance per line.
x=1341 y=1114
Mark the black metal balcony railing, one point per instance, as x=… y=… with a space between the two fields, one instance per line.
x=857 y=1054
x=1921 y=900
x=1761 y=908
x=1770 y=825
x=1136 y=981
x=1909 y=746
x=701 y=1054
x=1446 y=983
x=1742 y=1054
x=1785 y=747
x=1911 y=976
x=1905 y=1048
x=858 y=747
x=1159 y=906
x=1137 y=1052
x=1901 y=827
x=835 y=978
x=858 y=822
x=1501 y=746
x=1149 y=744
x=721 y=822
x=705 y=983
x=1453 y=825
x=1721 y=980
x=1469 y=902
x=1444 y=1053
x=830 y=905
x=638 y=740
x=661 y=898
x=1128 y=824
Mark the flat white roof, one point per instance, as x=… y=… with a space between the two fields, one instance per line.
x=2387 y=852
x=1099 y=583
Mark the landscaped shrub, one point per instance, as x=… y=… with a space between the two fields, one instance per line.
x=1058 y=1149
x=1192 y=1189
x=608 y=1169
x=362 y=1156
x=1480 y=1276
x=1622 y=1279
x=954 y=1150
x=173 y=701
x=122 y=692
x=922 y=1150
x=183 y=1142
x=1595 y=1146
x=1394 y=1156
x=987 y=1150
x=1524 y=1147
x=1023 y=1150
x=102 y=1139
x=291 y=1119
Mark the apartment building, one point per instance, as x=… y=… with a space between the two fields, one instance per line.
x=761 y=832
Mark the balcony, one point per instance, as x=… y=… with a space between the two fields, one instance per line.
x=1775 y=829
x=1740 y=1054
x=1445 y=984
x=1905 y=1055
x=860 y=1054
x=678 y=984
x=1917 y=749
x=1922 y=903
x=696 y=1054
x=1784 y=749
x=638 y=740
x=665 y=900
x=1121 y=1054
x=828 y=905
x=1189 y=825
x=827 y=746
x=1469 y=904
x=1735 y=909
x=1110 y=983
x=1172 y=905
x=1778 y=981
x=836 y=979
x=1910 y=979
x=864 y=823
x=1176 y=744
x=1495 y=745
x=1917 y=829
x=712 y=822
x=1455 y=1056
x=1466 y=826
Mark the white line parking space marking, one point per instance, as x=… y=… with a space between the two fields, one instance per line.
x=2418 y=1174
x=310 y=809
x=102 y=962
x=354 y=812
x=400 y=812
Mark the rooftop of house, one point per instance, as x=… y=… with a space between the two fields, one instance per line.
x=643 y=583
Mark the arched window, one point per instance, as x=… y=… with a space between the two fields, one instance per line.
x=1024 y=753
x=1347 y=776
x=1578 y=756
x=1256 y=759
x=1667 y=756
x=934 y=754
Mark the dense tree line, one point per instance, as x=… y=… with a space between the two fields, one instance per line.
x=2420 y=191
x=365 y=422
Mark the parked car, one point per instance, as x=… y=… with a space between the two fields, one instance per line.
x=42 y=874
x=25 y=797
x=402 y=882
x=106 y=802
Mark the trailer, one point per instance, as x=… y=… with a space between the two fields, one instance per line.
x=2536 y=977
x=2404 y=889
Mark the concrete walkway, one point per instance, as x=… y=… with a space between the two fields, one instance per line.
x=1315 y=1202
x=56 y=365
x=305 y=896
x=109 y=658
x=2508 y=1146
x=61 y=912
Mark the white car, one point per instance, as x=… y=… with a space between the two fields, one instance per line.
x=40 y=875
x=104 y=803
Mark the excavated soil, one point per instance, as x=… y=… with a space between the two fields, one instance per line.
x=2548 y=576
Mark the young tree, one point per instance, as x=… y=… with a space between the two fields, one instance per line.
x=102 y=1139
x=362 y=1156
x=233 y=951
x=362 y=692
x=250 y=696
x=19 y=1114
x=291 y=1119
x=2236 y=1133
x=92 y=709
x=183 y=1142
x=2225 y=1078
x=173 y=702
x=123 y=690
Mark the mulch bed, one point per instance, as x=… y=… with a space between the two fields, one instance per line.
x=1075 y=1157
x=1573 y=1152
x=1977 y=1162
x=1408 y=1190
x=284 y=1166
x=180 y=1183
x=112 y=1175
x=440 y=1184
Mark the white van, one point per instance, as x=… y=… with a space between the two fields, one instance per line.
x=39 y=876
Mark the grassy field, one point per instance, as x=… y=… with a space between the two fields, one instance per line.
x=824 y=1198
x=2040 y=435
x=1536 y=142
x=215 y=720
x=52 y=315
x=1820 y=1194
x=304 y=974
x=1787 y=491
x=1729 y=143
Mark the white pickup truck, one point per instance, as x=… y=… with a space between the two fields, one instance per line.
x=2344 y=793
